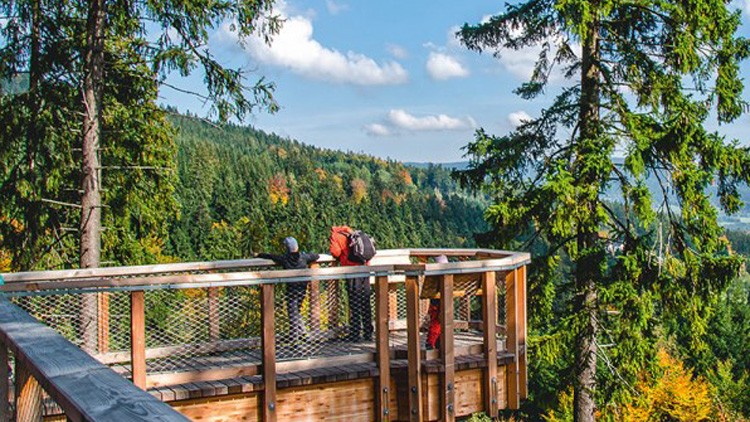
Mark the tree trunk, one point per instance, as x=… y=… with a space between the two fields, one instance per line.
x=91 y=200
x=32 y=141
x=587 y=262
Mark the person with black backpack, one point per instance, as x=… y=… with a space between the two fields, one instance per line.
x=350 y=248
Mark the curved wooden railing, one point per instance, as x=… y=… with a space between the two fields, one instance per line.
x=410 y=266
x=85 y=389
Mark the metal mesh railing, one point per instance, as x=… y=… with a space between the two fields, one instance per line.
x=196 y=329
x=316 y=319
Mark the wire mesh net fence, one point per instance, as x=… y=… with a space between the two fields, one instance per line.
x=195 y=329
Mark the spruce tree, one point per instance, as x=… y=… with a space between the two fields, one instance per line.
x=642 y=78
x=86 y=137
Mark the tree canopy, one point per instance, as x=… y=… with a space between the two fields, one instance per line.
x=85 y=149
x=642 y=79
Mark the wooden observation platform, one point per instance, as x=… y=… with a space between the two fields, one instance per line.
x=233 y=340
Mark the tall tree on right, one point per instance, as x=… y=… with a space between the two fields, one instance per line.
x=643 y=78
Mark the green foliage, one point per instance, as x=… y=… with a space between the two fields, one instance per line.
x=43 y=65
x=643 y=79
x=250 y=190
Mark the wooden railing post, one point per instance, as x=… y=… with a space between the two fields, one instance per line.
x=334 y=300
x=523 y=382
x=447 y=349
x=511 y=342
x=103 y=322
x=383 y=384
x=29 y=407
x=214 y=320
x=489 y=320
x=138 y=337
x=413 y=349
x=268 y=344
x=315 y=302
x=4 y=384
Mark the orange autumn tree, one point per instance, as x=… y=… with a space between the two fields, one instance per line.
x=672 y=394
x=359 y=190
x=278 y=190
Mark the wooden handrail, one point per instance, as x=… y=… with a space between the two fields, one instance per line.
x=20 y=283
x=85 y=389
x=229 y=265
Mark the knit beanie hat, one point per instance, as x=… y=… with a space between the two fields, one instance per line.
x=291 y=244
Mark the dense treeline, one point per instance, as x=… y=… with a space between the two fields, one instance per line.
x=242 y=191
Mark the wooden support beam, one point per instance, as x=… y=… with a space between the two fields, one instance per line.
x=383 y=384
x=315 y=302
x=4 y=384
x=413 y=349
x=511 y=341
x=269 y=353
x=138 y=337
x=489 y=317
x=29 y=407
x=334 y=299
x=214 y=320
x=103 y=322
x=447 y=355
x=523 y=382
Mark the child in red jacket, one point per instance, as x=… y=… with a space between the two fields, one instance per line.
x=433 y=329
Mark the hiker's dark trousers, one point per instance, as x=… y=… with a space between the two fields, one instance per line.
x=360 y=312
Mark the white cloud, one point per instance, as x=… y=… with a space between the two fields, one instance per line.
x=517 y=118
x=453 y=40
x=397 y=51
x=398 y=121
x=377 y=129
x=404 y=120
x=336 y=8
x=294 y=48
x=441 y=66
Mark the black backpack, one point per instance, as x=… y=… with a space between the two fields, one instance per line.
x=361 y=247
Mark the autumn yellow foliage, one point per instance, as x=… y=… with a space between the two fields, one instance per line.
x=321 y=173
x=672 y=395
x=278 y=190
x=359 y=190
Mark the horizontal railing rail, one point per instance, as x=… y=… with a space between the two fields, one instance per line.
x=85 y=389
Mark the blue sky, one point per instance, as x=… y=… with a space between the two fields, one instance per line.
x=384 y=77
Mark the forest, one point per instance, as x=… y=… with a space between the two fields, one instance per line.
x=241 y=191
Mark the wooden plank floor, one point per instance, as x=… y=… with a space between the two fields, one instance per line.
x=292 y=352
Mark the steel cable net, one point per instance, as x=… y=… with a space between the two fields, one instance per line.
x=323 y=319
x=202 y=329
x=397 y=317
x=467 y=313
x=71 y=315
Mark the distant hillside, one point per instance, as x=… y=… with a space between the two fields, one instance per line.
x=457 y=165
x=242 y=190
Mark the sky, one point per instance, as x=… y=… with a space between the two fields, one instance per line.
x=387 y=78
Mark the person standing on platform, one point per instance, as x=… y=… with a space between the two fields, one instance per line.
x=433 y=312
x=293 y=259
x=358 y=289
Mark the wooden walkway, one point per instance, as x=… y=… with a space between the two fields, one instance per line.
x=331 y=353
